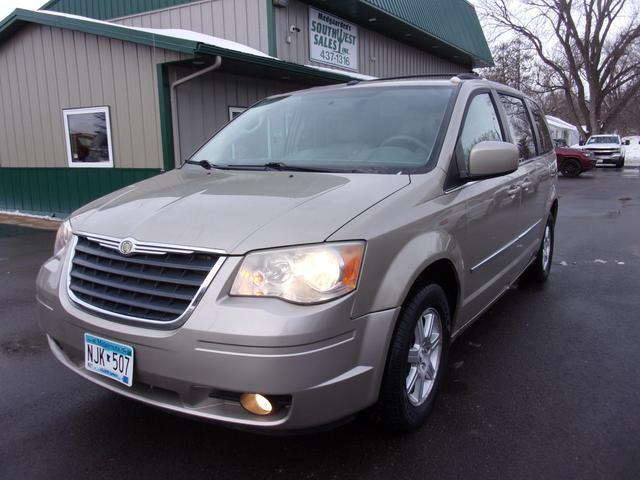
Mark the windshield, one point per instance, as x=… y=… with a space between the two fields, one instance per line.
x=379 y=129
x=606 y=139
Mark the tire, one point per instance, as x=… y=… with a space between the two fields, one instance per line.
x=401 y=408
x=621 y=163
x=539 y=270
x=570 y=168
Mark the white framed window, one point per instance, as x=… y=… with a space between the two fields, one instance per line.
x=235 y=111
x=88 y=132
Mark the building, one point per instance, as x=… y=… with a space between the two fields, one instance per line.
x=563 y=133
x=98 y=94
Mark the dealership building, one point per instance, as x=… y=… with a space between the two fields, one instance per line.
x=98 y=94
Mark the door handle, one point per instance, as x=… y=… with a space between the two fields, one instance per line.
x=513 y=190
x=526 y=184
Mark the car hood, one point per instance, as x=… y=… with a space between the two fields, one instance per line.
x=233 y=210
x=569 y=151
x=601 y=146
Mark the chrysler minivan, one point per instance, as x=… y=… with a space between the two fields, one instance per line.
x=314 y=259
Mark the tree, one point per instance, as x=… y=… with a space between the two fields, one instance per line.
x=590 y=48
x=514 y=65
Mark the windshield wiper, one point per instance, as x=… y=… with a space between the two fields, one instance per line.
x=280 y=166
x=203 y=163
x=293 y=168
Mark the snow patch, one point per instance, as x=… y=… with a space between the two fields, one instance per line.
x=16 y=213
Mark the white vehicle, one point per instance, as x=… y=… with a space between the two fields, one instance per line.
x=607 y=149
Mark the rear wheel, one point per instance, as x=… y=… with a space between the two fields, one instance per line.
x=570 y=168
x=416 y=362
x=541 y=266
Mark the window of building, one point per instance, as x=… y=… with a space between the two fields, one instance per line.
x=481 y=124
x=235 y=111
x=546 y=144
x=521 y=129
x=88 y=132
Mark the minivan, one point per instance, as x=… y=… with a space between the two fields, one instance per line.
x=314 y=259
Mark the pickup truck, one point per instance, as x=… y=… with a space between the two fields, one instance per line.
x=606 y=148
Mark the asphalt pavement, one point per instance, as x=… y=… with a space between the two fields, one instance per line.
x=545 y=385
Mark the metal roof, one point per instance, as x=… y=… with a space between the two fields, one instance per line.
x=455 y=22
x=106 y=9
x=447 y=28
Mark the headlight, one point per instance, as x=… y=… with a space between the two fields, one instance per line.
x=63 y=237
x=309 y=274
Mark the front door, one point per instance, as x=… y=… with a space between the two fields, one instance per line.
x=492 y=209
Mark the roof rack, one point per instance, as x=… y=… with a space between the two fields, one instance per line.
x=461 y=76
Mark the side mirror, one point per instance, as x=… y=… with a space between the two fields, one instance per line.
x=492 y=159
x=627 y=142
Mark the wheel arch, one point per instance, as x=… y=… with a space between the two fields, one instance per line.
x=443 y=273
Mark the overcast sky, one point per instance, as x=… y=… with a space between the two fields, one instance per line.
x=8 y=6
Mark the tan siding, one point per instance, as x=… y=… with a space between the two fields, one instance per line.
x=378 y=55
x=242 y=21
x=45 y=70
x=203 y=103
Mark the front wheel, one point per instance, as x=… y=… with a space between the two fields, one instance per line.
x=570 y=168
x=416 y=362
x=541 y=267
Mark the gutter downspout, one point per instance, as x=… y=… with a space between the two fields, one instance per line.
x=174 y=106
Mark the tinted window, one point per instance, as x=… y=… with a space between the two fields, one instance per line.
x=88 y=137
x=520 y=125
x=546 y=144
x=382 y=129
x=603 y=139
x=481 y=124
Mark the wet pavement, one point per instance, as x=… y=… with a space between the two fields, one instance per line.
x=545 y=385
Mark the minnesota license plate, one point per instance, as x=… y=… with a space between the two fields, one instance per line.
x=111 y=359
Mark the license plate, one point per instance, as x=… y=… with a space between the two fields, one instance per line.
x=108 y=358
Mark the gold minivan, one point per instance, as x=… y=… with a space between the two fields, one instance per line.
x=315 y=258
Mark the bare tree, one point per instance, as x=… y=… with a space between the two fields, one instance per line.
x=514 y=65
x=589 y=47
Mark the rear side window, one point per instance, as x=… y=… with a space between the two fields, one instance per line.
x=521 y=129
x=546 y=144
x=480 y=125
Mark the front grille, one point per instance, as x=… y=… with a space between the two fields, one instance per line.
x=158 y=286
x=606 y=152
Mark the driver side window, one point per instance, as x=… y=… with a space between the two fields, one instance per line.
x=481 y=124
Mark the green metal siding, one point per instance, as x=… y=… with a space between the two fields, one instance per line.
x=452 y=21
x=106 y=9
x=59 y=191
x=166 y=128
x=271 y=28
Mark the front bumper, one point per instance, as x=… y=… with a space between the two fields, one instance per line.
x=608 y=159
x=328 y=364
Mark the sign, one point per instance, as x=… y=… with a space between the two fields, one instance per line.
x=332 y=40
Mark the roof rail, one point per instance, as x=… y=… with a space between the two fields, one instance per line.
x=461 y=76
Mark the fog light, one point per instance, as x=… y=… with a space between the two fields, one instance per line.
x=256 y=403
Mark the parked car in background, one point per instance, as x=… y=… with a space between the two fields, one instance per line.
x=607 y=149
x=315 y=258
x=573 y=161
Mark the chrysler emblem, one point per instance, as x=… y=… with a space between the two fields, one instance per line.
x=126 y=247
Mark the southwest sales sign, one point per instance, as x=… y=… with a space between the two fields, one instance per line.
x=332 y=40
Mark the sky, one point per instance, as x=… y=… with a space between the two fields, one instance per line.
x=8 y=6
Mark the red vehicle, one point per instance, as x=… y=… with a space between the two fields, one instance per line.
x=572 y=162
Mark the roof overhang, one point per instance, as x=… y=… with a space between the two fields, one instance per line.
x=19 y=18
x=403 y=30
